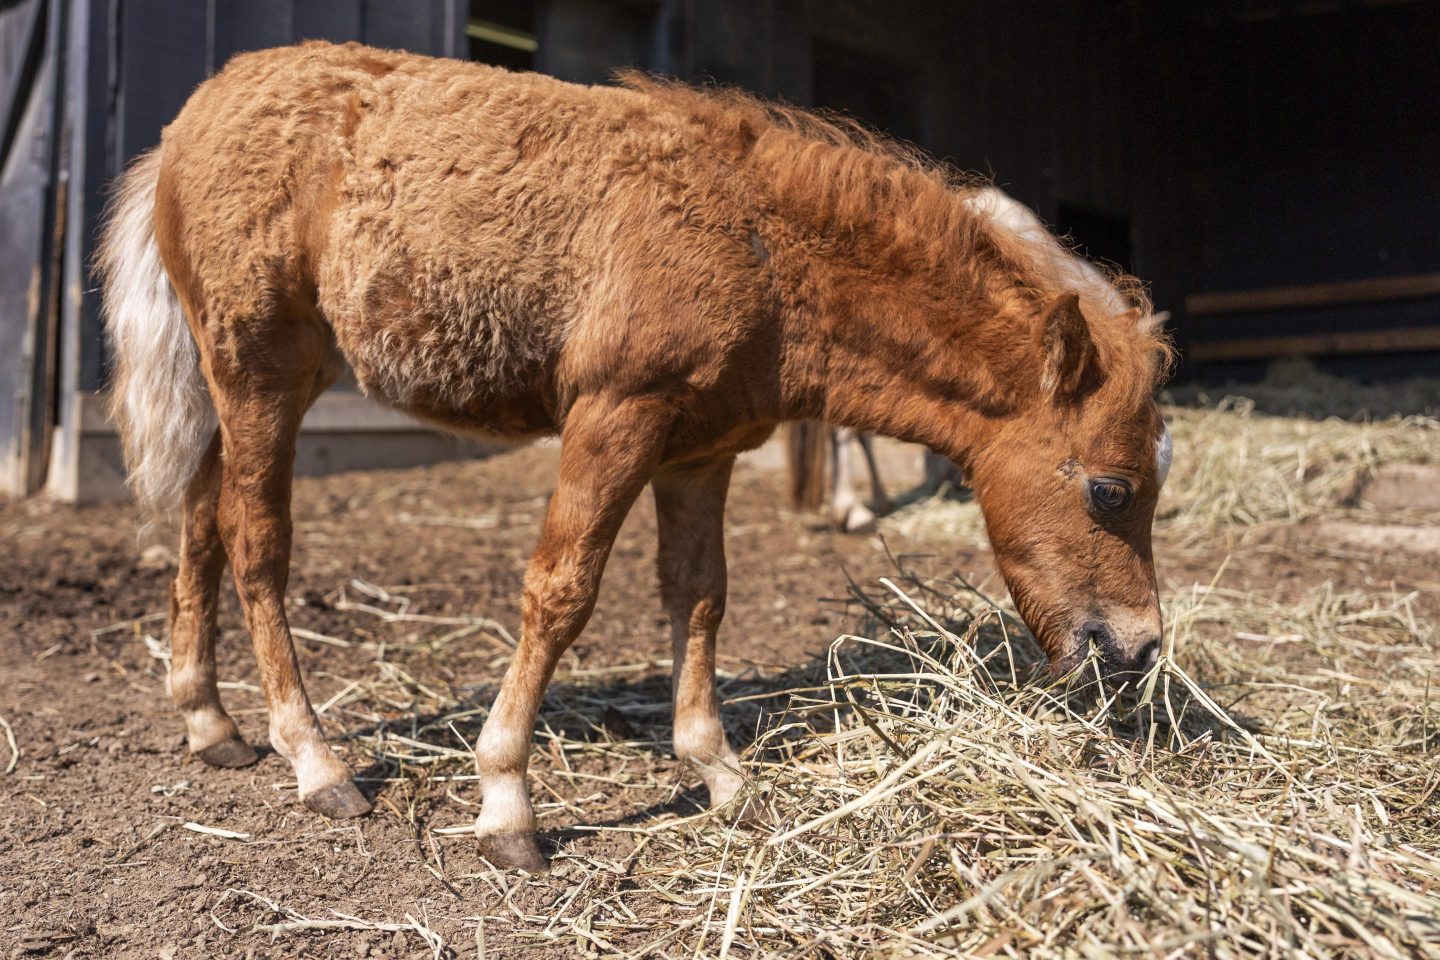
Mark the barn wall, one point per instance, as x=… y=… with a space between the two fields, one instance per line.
x=1243 y=146
x=131 y=65
x=1310 y=157
x=29 y=238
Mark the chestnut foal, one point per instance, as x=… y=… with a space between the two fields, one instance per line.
x=659 y=275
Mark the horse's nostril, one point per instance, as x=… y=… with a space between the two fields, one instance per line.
x=1096 y=634
x=1148 y=655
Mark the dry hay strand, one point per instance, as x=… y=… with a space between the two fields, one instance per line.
x=1236 y=470
x=282 y=921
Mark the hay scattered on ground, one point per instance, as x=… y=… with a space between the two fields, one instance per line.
x=932 y=802
x=925 y=793
x=1237 y=469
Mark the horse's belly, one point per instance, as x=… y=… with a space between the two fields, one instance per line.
x=448 y=346
x=514 y=419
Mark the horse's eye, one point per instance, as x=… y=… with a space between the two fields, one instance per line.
x=1109 y=494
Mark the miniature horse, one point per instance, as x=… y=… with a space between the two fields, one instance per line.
x=660 y=275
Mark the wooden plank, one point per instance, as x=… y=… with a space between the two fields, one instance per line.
x=1372 y=290
x=20 y=65
x=1402 y=340
x=87 y=69
x=44 y=391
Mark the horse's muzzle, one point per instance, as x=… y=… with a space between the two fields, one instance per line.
x=1122 y=662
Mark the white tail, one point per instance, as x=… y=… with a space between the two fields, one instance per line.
x=158 y=399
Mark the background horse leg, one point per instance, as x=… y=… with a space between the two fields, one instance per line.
x=806 y=449
x=847 y=511
x=878 y=497
x=939 y=472
x=194 y=600
x=690 y=509
x=609 y=451
x=261 y=403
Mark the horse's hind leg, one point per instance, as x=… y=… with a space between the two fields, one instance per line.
x=194 y=599
x=878 y=496
x=262 y=383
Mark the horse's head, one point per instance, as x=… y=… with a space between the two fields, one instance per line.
x=1068 y=487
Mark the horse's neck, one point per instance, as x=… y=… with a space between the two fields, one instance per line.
x=889 y=363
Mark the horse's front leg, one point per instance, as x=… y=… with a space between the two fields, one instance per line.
x=609 y=451
x=690 y=508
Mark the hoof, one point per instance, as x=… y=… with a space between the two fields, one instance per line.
x=339 y=802
x=858 y=519
x=230 y=754
x=513 y=851
x=750 y=815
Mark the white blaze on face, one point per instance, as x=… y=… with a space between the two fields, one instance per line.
x=1164 y=450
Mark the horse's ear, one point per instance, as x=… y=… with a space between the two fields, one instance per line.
x=1071 y=365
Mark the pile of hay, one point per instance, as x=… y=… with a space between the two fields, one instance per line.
x=926 y=793
x=923 y=791
x=924 y=799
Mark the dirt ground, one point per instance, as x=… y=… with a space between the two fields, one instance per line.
x=98 y=852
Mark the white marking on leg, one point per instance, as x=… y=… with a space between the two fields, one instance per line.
x=501 y=758
x=700 y=739
x=506 y=807
x=846 y=510
x=295 y=735
x=206 y=722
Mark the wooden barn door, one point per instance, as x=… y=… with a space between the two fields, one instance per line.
x=31 y=239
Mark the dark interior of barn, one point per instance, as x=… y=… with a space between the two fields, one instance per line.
x=1267 y=167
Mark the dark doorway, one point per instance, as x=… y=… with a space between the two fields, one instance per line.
x=1102 y=237
x=502 y=32
x=878 y=93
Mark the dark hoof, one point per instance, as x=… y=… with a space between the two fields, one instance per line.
x=514 y=851
x=751 y=815
x=340 y=802
x=229 y=754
